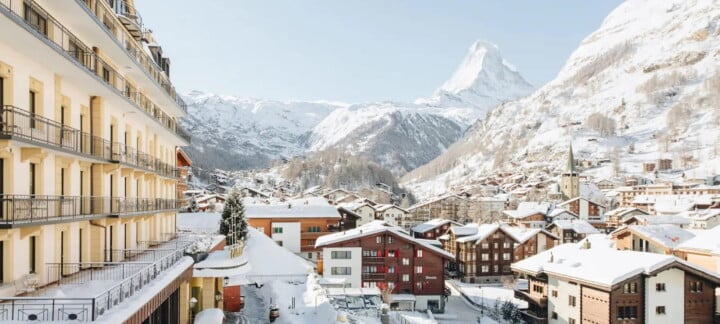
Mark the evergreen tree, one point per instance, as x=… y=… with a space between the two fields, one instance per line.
x=233 y=223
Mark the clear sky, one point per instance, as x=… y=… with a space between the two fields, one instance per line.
x=358 y=50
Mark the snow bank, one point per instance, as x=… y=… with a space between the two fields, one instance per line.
x=210 y=316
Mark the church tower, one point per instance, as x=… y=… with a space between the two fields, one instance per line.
x=570 y=180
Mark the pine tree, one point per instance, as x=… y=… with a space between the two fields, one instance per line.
x=233 y=223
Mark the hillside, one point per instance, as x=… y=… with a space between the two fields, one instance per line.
x=645 y=85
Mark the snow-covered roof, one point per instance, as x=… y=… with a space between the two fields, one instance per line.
x=555 y=212
x=666 y=219
x=368 y=291
x=665 y=235
x=210 y=316
x=198 y=222
x=219 y=264
x=332 y=281
x=432 y=224
x=431 y=242
x=703 y=214
x=591 y=264
x=438 y=198
x=577 y=225
x=373 y=228
x=707 y=241
x=481 y=232
x=468 y=229
x=384 y=207
x=522 y=234
x=622 y=211
x=268 y=259
x=580 y=198
x=290 y=210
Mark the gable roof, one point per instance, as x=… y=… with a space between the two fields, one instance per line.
x=578 y=226
x=590 y=265
x=579 y=198
x=432 y=224
x=438 y=198
x=384 y=207
x=665 y=235
x=376 y=227
x=707 y=241
x=292 y=209
x=654 y=220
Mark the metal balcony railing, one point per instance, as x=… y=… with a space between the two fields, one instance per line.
x=50 y=29
x=373 y=276
x=32 y=209
x=131 y=277
x=22 y=124
x=373 y=260
x=130 y=39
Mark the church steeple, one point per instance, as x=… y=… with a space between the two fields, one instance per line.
x=571 y=161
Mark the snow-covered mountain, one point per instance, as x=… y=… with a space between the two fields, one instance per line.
x=249 y=133
x=645 y=85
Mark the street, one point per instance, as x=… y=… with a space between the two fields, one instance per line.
x=255 y=310
x=458 y=310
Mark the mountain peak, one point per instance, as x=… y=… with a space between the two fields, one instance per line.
x=482 y=81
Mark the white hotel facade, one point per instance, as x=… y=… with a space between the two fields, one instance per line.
x=88 y=137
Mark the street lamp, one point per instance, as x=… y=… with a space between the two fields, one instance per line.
x=226 y=281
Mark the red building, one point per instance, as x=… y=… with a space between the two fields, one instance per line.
x=385 y=256
x=433 y=228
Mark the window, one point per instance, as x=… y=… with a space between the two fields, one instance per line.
x=418 y=269
x=406 y=261
x=370 y=253
x=696 y=286
x=378 y=239
x=390 y=239
x=496 y=256
x=32 y=178
x=419 y=286
x=419 y=254
x=340 y=271
x=33 y=108
x=33 y=17
x=630 y=288
x=571 y=321
x=660 y=287
x=506 y=256
x=485 y=245
x=370 y=269
x=391 y=269
x=310 y=255
x=277 y=230
x=572 y=301
x=484 y=269
x=314 y=229
x=627 y=312
x=340 y=254
x=391 y=285
x=485 y=257
x=660 y=310
x=406 y=277
x=495 y=268
x=391 y=253
x=538 y=289
x=495 y=245
x=506 y=245
x=33 y=254
x=554 y=293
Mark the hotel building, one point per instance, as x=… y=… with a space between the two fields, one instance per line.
x=88 y=138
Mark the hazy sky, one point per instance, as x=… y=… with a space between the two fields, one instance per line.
x=354 y=51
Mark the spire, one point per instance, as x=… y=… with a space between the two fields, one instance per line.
x=571 y=161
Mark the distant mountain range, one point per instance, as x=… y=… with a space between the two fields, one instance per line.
x=242 y=133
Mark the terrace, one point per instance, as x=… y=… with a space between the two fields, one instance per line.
x=85 y=291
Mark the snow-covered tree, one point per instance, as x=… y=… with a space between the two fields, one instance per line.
x=233 y=223
x=193 y=205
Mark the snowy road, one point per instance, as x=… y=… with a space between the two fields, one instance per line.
x=458 y=310
x=255 y=310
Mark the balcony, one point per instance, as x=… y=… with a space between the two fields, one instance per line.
x=31 y=210
x=373 y=276
x=373 y=260
x=91 y=289
x=60 y=39
x=129 y=17
x=128 y=38
x=18 y=124
x=530 y=298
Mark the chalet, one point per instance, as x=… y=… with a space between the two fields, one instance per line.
x=573 y=283
x=614 y=218
x=210 y=203
x=585 y=209
x=678 y=221
x=364 y=210
x=348 y=218
x=295 y=224
x=333 y=195
x=391 y=214
x=605 y=184
x=529 y=214
x=661 y=239
x=702 y=250
x=560 y=214
x=387 y=257
x=571 y=231
x=483 y=253
x=251 y=192
x=432 y=229
x=704 y=218
x=346 y=199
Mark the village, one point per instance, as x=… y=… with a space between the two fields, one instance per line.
x=501 y=238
